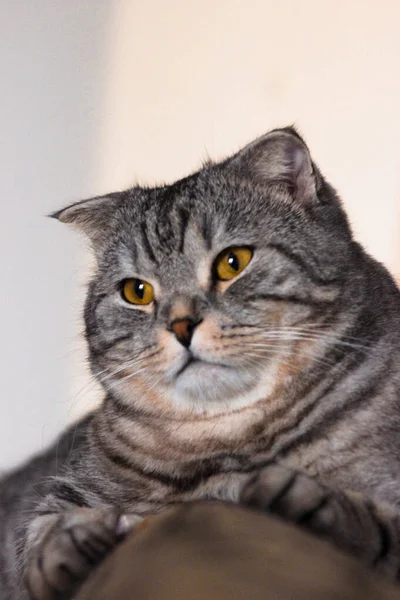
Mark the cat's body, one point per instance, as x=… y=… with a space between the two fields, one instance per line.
x=278 y=386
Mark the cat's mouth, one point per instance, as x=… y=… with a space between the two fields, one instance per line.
x=199 y=380
x=189 y=361
x=193 y=363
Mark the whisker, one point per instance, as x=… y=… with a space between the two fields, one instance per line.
x=126 y=365
x=126 y=378
x=311 y=328
x=100 y=380
x=315 y=330
x=156 y=382
x=123 y=367
x=324 y=361
x=111 y=359
x=298 y=336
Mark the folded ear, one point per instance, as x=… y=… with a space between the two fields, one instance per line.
x=92 y=217
x=281 y=156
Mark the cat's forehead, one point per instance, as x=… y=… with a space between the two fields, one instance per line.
x=168 y=230
x=198 y=213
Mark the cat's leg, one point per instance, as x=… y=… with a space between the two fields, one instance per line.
x=63 y=548
x=366 y=529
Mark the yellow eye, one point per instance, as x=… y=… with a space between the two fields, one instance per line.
x=136 y=291
x=232 y=261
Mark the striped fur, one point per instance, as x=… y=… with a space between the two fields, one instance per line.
x=287 y=398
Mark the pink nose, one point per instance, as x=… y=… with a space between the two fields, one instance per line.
x=183 y=330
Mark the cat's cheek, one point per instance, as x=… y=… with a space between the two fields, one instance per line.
x=142 y=393
x=205 y=338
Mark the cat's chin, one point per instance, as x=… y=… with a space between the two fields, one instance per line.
x=195 y=367
x=205 y=387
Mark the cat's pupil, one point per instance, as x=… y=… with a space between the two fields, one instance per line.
x=139 y=288
x=233 y=261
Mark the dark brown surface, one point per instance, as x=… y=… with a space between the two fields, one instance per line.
x=218 y=552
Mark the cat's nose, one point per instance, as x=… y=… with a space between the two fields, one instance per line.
x=184 y=329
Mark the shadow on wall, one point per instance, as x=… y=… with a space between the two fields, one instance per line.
x=53 y=60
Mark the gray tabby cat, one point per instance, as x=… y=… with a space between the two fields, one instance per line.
x=249 y=350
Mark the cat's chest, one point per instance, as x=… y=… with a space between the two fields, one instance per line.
x=196 y=439
x=154 y=464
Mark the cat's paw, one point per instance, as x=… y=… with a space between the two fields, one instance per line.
x=78 y=541
x=291 y=495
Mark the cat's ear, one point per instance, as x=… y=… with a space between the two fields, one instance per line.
x=282 y=157
x=92 y=217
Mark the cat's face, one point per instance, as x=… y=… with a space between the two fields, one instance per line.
x=210 y=293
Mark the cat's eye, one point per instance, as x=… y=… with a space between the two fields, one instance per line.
x=136 y=291
x=232 y=261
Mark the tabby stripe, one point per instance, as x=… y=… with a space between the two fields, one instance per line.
x=64 y=491
x=383 y=534
x=96 y=300
x=109 y=453
x=183 y=221
x=315 y=277
x=289 y=298
x=230 y=336
x=335 y=355
x=317 y=427
x=126 y=464
x=307 y=515
x=129 y=411
x=178 y=484
x=78 y=547
x=206 y=231
x=241 y=326
x=87 y=549
x=64 y=567
x=274 y=503
x=106 y=347
x=146 y=244
x=192 y=466
x=284 y=411
x=337 y=411
x=40 y=566
x=200 y=470
x=342 y=412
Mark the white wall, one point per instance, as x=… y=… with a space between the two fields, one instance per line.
x=100 y=94
x=52 y=87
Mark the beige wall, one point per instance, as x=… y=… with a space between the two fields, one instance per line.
x=189 y=78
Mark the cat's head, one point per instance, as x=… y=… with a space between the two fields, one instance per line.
x=211 y=292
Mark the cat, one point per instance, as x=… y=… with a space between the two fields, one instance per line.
x=249 y=350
